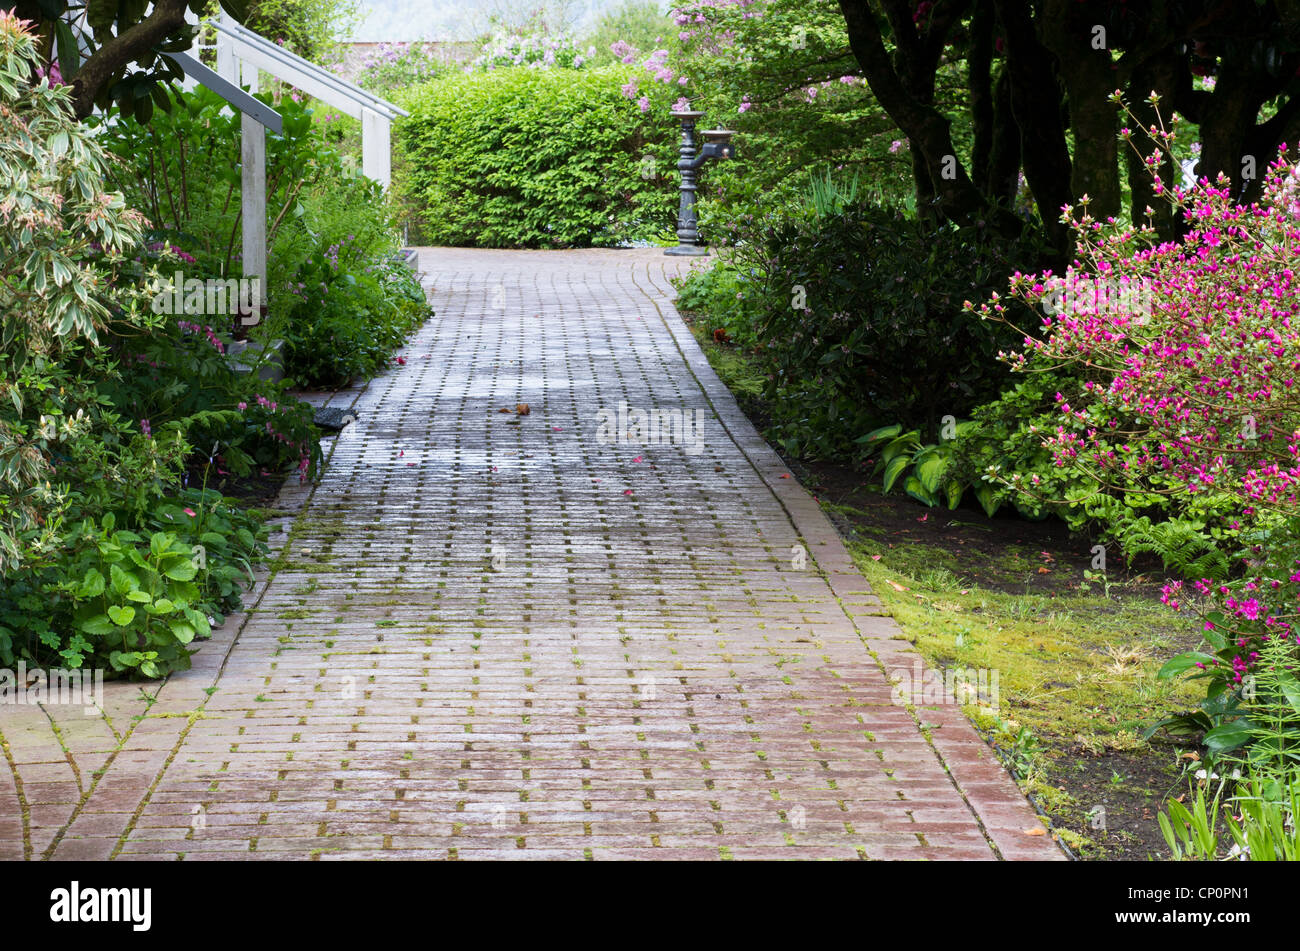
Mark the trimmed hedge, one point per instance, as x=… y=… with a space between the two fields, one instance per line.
x=521 y=157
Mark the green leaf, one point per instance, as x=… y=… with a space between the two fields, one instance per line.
x=1182 y=662
x=894 y=469
x=92 y=585
x=883 y=432
x=183 y=630
x=121 y=615
x=69 y=53
x=98 y=626
x=181 y=571
x=930 y=471
x=1228 y=736
x=236 y=8
x=1290 y=688
x=123 y=659
x=123 y=581
x=916 y=490
x=987 y=496
x=896 y=446
x=955 y=491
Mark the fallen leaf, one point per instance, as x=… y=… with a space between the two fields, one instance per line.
x=1044 y=571
x=896 y=586
x=785 y=475
x=522 y=409
x=503 y=410
x=637 y=459
x=875 y=557
x=1036 y=830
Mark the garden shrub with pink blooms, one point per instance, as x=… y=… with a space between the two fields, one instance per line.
x=100 y=528
x=1188 y=358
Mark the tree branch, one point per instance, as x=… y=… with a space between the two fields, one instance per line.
x=167 y=17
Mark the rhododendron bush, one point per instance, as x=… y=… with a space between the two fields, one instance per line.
x=1189 y=353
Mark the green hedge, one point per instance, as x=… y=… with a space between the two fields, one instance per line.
x=521 y=157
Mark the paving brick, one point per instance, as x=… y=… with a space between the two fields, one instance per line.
x=506 y=636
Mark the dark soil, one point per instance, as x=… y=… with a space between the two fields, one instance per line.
x=1005 y=553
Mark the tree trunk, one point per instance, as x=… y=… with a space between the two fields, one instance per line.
x=1003 y=179
x=980 y=64
x=927 y=129
x=1036 y=103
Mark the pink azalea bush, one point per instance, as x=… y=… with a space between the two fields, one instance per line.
x=1190 y=351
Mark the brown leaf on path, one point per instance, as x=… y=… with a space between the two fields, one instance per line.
x=522 y=409
x=1036 y=830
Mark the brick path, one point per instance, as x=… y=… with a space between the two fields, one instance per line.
x=498 y=636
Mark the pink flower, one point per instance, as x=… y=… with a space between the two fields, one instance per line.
x=190 y=512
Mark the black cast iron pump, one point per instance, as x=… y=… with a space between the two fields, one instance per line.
x=717 y=145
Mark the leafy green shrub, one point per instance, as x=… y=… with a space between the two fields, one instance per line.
x=723 y=296
x=60 y=221
x=124 y=504
x=339 y=307
x=349 y=316
x=858 y=317
x=521 y=157
x=924 y=468
x=131 y=601
x=97 y=529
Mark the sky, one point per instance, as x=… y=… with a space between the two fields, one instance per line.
x=408 y=20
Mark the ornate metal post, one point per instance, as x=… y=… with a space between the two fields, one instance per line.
x=717 y=146
x=688 y=223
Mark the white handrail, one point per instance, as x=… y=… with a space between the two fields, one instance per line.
x=293 y=69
